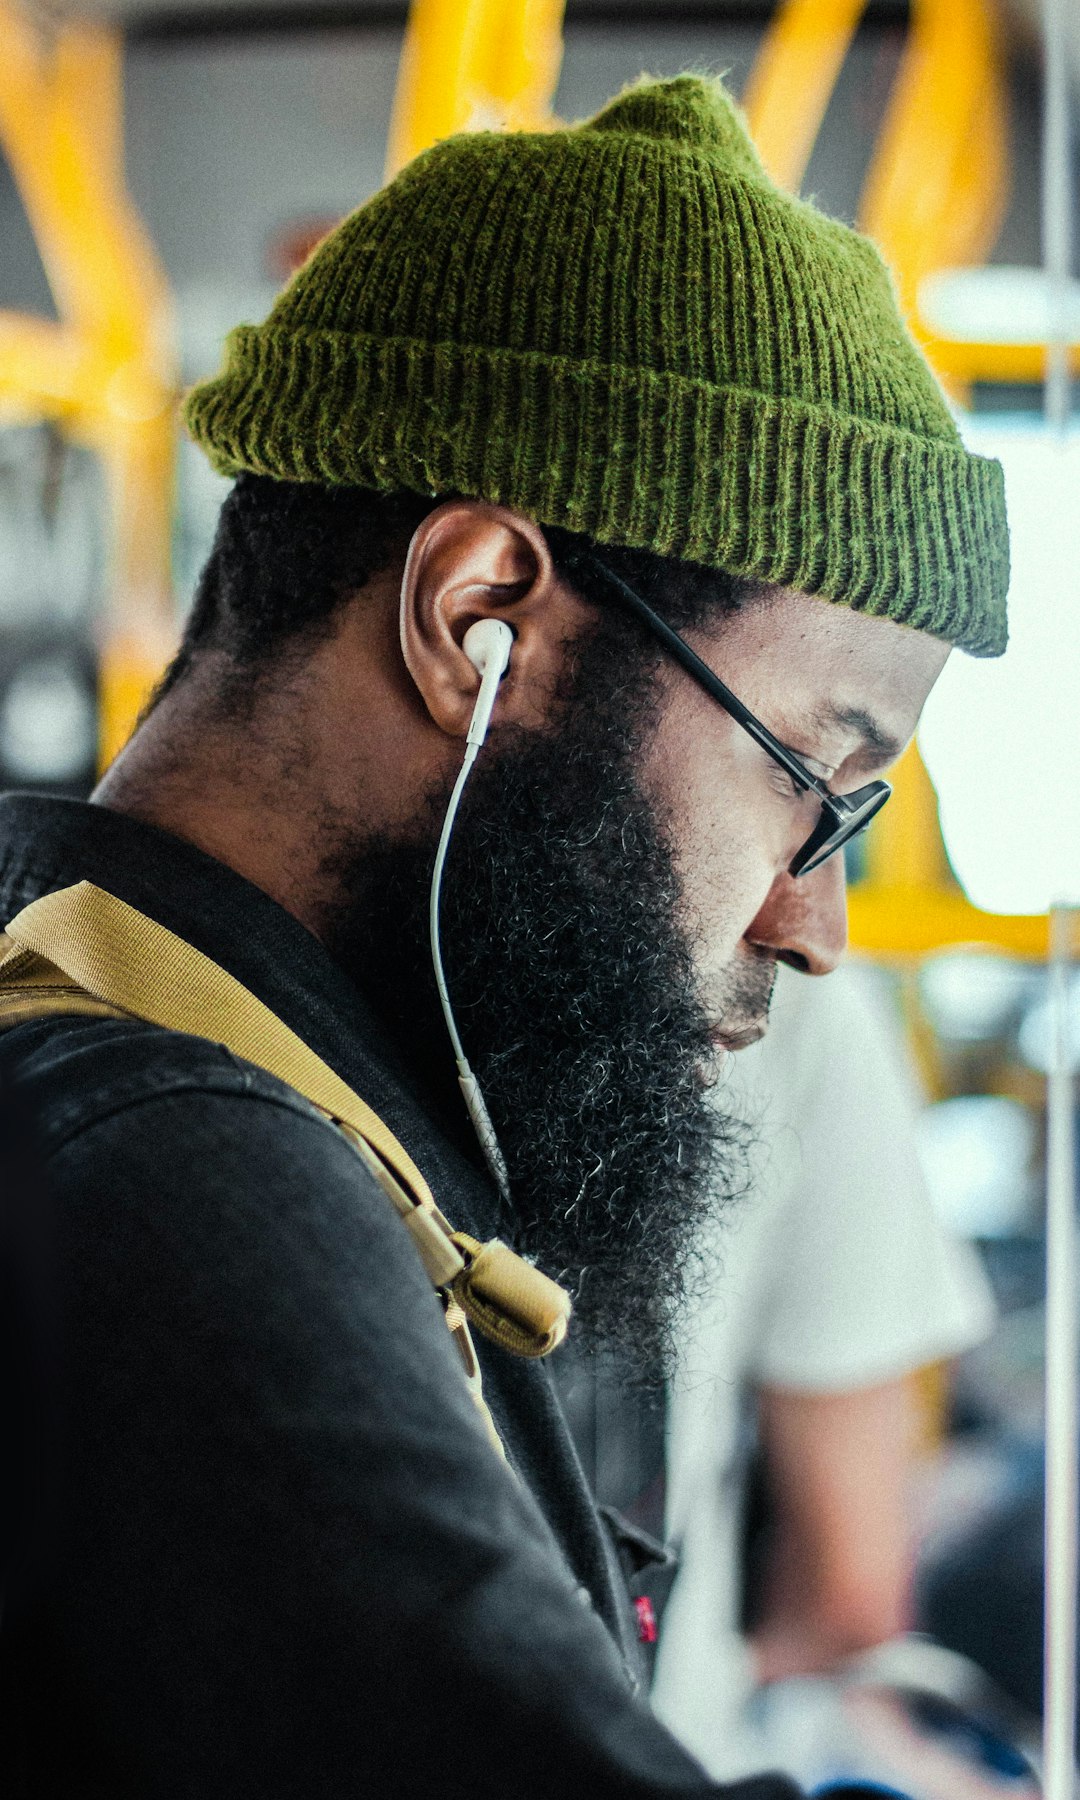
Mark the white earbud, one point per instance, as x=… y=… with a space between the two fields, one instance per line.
x=487 y=644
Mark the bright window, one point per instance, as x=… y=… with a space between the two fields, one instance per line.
x=1002 y=739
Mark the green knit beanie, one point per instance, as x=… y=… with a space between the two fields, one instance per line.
x=626 y=329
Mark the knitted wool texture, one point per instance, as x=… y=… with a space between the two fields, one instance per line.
x=626 y=329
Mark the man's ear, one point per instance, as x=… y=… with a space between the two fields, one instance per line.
x=469 y=560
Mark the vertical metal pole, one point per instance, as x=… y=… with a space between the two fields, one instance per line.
x=1062 y=1348
x=1059 y=1706
x=1056 y=207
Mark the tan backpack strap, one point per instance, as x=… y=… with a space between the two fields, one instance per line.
x=32 y=987
x=508 y=1300
x=35 y=992
x=115 y=960
x=118 y=955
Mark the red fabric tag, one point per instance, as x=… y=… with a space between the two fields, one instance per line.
x=646 y=1620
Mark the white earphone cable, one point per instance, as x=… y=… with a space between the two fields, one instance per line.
x=436 y=897
x=470 y=1087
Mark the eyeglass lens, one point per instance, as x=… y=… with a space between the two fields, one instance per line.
x=839 y=822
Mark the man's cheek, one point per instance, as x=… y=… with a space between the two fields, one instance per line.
x=726 y=879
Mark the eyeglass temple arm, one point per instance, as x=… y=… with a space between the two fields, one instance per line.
x=711 y=682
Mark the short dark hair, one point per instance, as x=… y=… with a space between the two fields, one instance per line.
x=288 y=555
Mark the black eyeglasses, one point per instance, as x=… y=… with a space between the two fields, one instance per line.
x=843 y=816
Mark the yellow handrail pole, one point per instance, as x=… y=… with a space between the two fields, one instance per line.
x=112 y=382
x=939 y=181
x=910 y=904
x=934 y=198
x=963 y=361
x=793 y=78
x=140 y=636
x=915 y=921
x=101 y=268
x=521 y=55
x=904 y=847
x=46 y=371
x=436 y=76
x=473 y=65
x=88 y=74
x=958 y=360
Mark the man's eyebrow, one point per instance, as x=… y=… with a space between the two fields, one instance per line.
x=855 y=720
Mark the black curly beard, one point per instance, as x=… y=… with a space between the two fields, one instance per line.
x=574 y=987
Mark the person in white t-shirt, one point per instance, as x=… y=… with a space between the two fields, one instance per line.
x=837 y=1283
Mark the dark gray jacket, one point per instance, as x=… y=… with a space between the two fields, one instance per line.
x=283 y=1560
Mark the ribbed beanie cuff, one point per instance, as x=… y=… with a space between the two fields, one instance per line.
x=789 y=433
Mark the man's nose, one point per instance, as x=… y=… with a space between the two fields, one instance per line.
x=804 y=919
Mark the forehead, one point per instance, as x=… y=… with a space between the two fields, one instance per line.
x=797 y=655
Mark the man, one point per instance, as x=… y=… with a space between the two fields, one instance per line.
x=536 y=380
